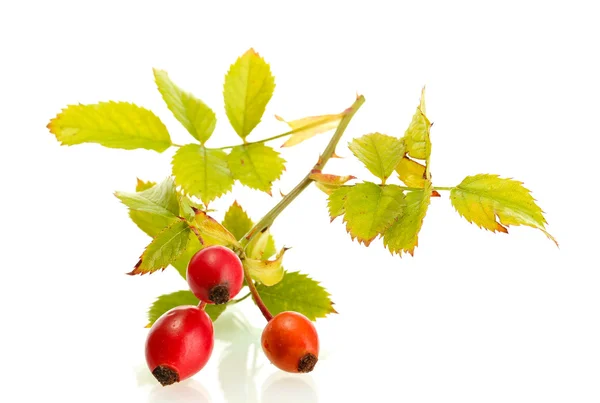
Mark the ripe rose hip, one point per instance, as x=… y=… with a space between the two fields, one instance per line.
x=179 y=344
x=215 y=274
x=291 y=343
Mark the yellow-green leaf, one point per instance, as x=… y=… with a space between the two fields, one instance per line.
x=380 y=153
x=237 y=221
x=168 y=245
x=202 y=172
x=212 y=232
x=256 y=165
x=111 y=124
x=143 y=185
x=494 y=203
x=248 y=88
x=403 y=234
x=306 y=128
x=411 y=173
x=166 y=302
x=160 y=200
x=299 y=293
x=181 y=263
x=416 y=137
x=370 y=210
x=268 y=272
x=336 y=202
x=191 y=112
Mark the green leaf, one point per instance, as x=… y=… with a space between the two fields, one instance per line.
x=268 y=272
x=297 y=292
x=202 y=172
x=248 y=88
x=256 y=165
x=166 y=302
x=412 y=173
x=416 y=137
x=111 y=124
x=403 y=235
x=237 y=221
x=380 y=153
x=168 y=245
x=161 y=199
x=181 y=263
x=371 y=209
x=151 y=224
x=306 y=128
x=191 y=112
x=337 y=201
x=495 y=203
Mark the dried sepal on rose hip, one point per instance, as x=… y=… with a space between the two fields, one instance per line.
x=215 y=274
x=291 y=343
x=179 y=344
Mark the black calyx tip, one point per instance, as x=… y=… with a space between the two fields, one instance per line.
x=219 y=294
x=165 y=375
x=307 y=363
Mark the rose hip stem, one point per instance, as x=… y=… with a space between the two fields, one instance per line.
x=268 y=219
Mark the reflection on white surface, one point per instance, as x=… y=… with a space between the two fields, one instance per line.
x=289 y=388
x=187 y=391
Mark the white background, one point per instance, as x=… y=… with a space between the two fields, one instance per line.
x=473 y=317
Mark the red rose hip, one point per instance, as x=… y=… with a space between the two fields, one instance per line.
x=291 y=343
x=215 y=274
x=179 y=344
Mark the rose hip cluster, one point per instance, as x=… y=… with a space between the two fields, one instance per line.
x=180 y=342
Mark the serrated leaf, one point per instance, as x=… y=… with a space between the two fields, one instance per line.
x=256 y=165
x=187 y=208
x=165 y=248
x=495 y=203
x=161 y=199
x=141 y=185
x=166 y=302
x=416 y=137
x=306 y=128
x=380 y=153
x=297 y=292
x=150 y=223
x=111 y=124
x=202 y=172
x=237 y=221
x=212 y=232
x=248 y=88
x=403 y=234
x=191 y=112
x=371 y=209
x=411 y=173
x=181 y=263
x=336 y=202
x=268 y=272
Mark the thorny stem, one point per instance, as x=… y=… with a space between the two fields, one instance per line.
x=449 y=188
x=268 y=219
